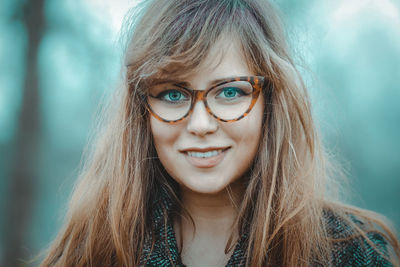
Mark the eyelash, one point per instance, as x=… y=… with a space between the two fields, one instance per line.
x=162 y=95
x=237 y=90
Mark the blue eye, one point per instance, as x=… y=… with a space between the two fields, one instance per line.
x=230 y=92
x=173 y=96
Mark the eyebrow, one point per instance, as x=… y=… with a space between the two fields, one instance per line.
x=187 y=84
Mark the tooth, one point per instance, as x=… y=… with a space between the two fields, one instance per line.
x=203 y=154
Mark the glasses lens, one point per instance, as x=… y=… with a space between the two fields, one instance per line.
x=230 y=100
x=169 y=102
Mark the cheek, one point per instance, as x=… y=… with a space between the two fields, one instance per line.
x=162 y=134
x=247 y=132
x=247 y=142
x=165 y=137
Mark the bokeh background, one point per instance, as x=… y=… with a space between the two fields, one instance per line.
x=60 y=58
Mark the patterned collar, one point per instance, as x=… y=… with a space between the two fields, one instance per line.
x=352 y=251
x=165 y=251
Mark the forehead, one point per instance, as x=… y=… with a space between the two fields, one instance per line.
x=224 y=60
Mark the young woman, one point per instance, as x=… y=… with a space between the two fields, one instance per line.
x=211 y=157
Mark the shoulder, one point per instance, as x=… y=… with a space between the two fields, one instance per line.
x=355 y=242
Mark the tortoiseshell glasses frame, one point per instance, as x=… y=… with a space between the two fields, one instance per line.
x=257 y=83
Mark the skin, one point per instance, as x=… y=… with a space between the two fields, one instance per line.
x=204 y=190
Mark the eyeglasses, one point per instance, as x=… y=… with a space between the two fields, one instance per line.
x=228 y=101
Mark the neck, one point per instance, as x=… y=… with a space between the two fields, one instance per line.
x=211 y=207
x=213 y=233
x=213 y=214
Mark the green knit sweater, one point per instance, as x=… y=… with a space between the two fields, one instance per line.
x=353 y=252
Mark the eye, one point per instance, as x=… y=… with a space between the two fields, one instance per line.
x=230 y=93
x=173 y=96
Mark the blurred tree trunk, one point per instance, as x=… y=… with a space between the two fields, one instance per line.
x=25 y=171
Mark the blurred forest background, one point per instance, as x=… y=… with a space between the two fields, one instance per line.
x=60 y=58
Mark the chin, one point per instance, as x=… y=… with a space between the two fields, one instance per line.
x=206 y=187
x=207 y=190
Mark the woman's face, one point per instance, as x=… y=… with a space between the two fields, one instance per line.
x=232 y=145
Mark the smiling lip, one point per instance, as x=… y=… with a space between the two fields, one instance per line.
x=205 y=157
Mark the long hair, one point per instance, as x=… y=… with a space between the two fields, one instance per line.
x=285 y=197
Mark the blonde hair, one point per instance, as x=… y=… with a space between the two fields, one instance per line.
x=285 y=199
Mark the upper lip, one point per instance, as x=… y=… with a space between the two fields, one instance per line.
x=204 y=149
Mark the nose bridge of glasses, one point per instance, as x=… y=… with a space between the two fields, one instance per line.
x=199 y=100
x=199 y=95
x=201 y=120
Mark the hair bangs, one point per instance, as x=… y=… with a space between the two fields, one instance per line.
x=181 y=40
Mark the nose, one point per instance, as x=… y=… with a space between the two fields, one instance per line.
x=200 y=121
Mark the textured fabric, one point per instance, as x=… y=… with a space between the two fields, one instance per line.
x=356 y=251
x=353 y=252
